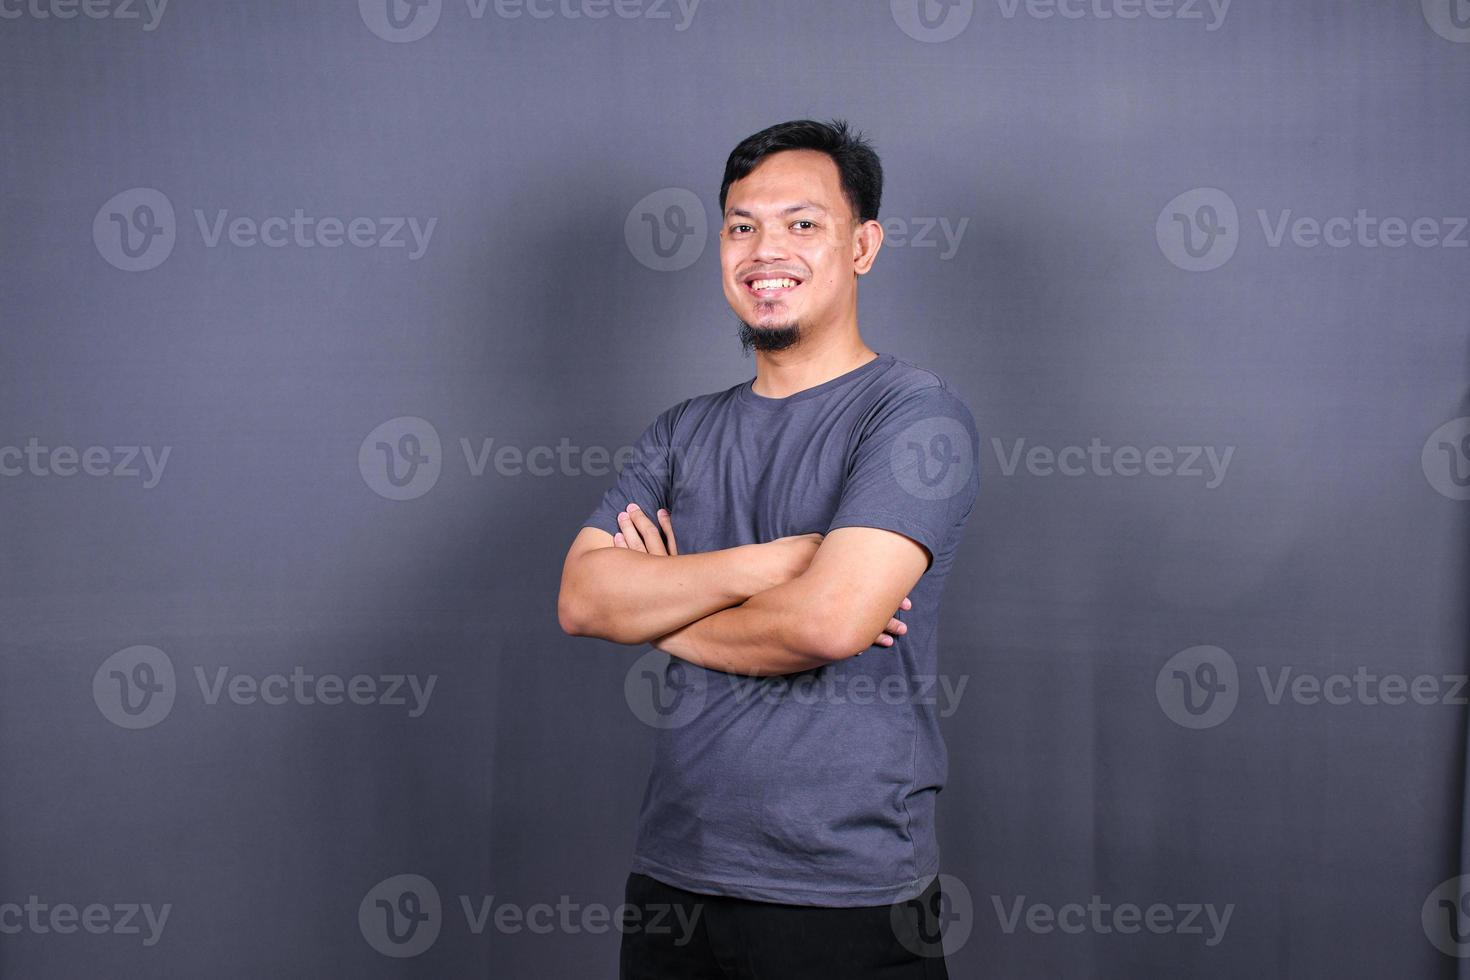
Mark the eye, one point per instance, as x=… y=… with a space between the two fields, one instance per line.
x=803 y=221
x=735 y=228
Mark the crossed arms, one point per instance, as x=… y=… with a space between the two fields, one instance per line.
x=760 y=609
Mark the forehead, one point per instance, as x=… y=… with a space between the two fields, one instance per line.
x=788 y=177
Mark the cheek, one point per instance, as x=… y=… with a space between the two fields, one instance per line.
x=727 y=273
x=826 y=266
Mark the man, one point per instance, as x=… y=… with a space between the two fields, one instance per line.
x=789 y=819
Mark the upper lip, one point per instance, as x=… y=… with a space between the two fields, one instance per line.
x=751 y=277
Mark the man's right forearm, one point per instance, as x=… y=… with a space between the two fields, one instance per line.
x=633 y=597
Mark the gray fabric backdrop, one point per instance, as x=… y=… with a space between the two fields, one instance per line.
x=322 y=322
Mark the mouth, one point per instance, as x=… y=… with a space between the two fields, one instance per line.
x=770 y=287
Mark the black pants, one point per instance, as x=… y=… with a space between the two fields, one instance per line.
x=682 y=935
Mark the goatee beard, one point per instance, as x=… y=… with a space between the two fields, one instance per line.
x=769 y=338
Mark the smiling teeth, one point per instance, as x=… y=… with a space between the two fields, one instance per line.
x=772 y=283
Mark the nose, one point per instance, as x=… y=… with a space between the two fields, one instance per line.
x=770 y=245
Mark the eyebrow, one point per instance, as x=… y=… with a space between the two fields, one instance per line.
x=799 y=206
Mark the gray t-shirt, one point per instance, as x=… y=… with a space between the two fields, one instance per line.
x=813 y=788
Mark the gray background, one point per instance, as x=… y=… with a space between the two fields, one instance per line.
x=1066 y=312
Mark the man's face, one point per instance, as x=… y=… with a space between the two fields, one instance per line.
x=790 y=248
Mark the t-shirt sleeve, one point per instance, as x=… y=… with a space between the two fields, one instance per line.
x=914 y=470
x=646 y=479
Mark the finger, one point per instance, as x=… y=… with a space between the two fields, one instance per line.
x=667 y=524
x=895 y=627
x=906 y=603
x=619 y=541
x=642 y=533
x=652 y=540
x=630 y=533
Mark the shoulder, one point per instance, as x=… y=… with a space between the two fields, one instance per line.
x=691 y=410
x=697 y=407
x=912 y=392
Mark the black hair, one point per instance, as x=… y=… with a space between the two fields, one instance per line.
x=857 y=165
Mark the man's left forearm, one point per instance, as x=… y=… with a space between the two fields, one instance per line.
x=770 y=633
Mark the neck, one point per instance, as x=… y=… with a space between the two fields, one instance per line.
x=808 y=364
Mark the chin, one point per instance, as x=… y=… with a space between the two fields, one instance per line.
x=774 y=317
x=769 y=336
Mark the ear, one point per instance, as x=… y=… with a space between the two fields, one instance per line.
x=867 y=239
